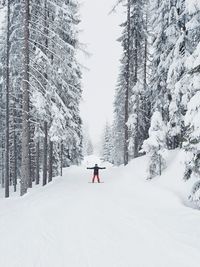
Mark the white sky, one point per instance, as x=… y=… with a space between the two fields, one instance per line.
x=100 y=33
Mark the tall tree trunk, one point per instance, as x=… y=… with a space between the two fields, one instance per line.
x=2 y=161
x=45 y=154
x=50 y=161
x=61 y=158
x=126 y=134
x=160 y=163
x=7 y=143
x=147 y=95
x=45 y=148
x=15 y=161
x=32 y=153
x=13 y=168
x=136 y=141
x=25 y=170
x=37 y=179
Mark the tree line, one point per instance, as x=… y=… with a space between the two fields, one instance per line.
x=40 y=91
x=157 y=98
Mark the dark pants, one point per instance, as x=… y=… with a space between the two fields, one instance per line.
x=96 y=175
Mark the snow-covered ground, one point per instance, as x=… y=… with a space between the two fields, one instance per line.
x=124 y=222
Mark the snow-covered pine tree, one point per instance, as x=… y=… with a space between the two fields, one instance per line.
x=62 y=116
x=158 y=81
x=68 y=81
x=87 y=142
x=169 y=51
x=7 y=100
x=192 y=136
x=7 y=132
x=155 y=145
x=16 y=71
x=192 y=144
x=107 y=144
x=126 y=43
x=133 y=79
x=54 y=91
x=89 y=148
x=146 y=94
x=2 y=91
x=118 y=122
x=177 y=43
x=138 y=92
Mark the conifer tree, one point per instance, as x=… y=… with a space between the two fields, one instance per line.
x=118 y=126
x=7 y=143
x=154 y=146
x=133 y=78
x=192 y=78
x=45 y=90
x=107 y=144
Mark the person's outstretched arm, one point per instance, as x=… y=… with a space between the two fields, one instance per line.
x=90 y=168
x=102 y=168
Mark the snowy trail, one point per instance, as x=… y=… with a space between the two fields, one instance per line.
x=124 y=222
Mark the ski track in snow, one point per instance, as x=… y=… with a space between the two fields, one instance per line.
x=124 y=222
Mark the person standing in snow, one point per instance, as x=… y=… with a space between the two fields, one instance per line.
x=96 y=169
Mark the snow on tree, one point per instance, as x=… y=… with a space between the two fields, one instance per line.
x=107 y=144
x=192 y=81
x=138 y=93
x=176 y=60
x=192 y=6
x=119 y=115
x=132 y=82
x=87 y=142
x=47 y=109
x=192 y=138
x=159 y=22
x=155 y=145
x=2 y=90
x=192 y=145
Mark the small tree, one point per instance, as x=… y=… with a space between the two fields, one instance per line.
x=192 y=145
x=154 y=146
x=87 y=142
x=107 y=144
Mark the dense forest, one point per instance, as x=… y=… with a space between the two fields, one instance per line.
x=157 y=98
x=71 y=193
x=156 y=107
x=40 y=91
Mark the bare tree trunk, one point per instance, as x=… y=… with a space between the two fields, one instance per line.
x=61 y=158
x=160 y=163
x=126 y=134
x=136 y=141
x=25 y=170
x=37 y=179
x=45 y=148
x=45 y=154
x=32 y=153
x=50 y=161
x=147 y=106
x=15 y=161
x=7 y=143
x=14 y=152
x=3 y=169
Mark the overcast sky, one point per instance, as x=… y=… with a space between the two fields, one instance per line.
x=100 y=32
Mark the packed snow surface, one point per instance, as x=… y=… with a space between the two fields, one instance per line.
x=124 y=222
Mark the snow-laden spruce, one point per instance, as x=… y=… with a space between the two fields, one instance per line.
x=45 y=91
x=107 y=144
x=155 y=145
x=159 y=71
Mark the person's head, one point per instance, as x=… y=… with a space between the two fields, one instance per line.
x=96 y=165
